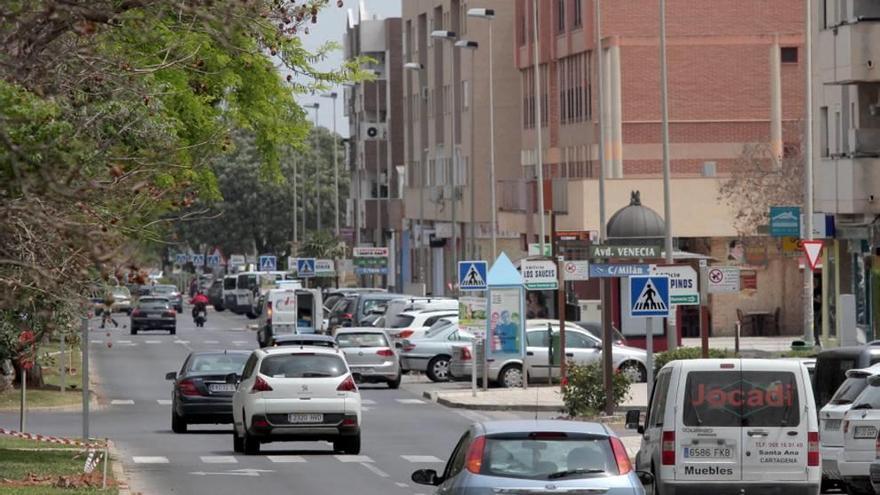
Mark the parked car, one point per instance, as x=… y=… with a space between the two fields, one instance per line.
x=351 y=309
x=305 y=339
x=832 y=364
x=581 y=347
x=289 y=394
x=414 y=324
x=370 y=355
x=730 y=426
x=431 y=353
x=153 y=313
x=171 y=293
x=215 y=295
x=596 y=330
x=861 y=425
x=331 y=297
x=201 y=394
x=545 y=456
x=395 y=307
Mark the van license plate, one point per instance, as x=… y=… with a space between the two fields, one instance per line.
x=708 y=452
x=306 y=418
x=832 y=424
x=865 y=432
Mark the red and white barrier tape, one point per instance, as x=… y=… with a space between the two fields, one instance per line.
x=48 y=439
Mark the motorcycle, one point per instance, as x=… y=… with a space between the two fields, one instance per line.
x=200 y=316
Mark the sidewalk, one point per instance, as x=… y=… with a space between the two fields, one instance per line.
x=759 y=344
x=535 y=398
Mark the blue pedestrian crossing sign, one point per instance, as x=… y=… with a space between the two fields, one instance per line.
x=305 y=267
x=181 y=258
x=213 y=260
x=268 y=263
x=649 y=296
x=472 y=275
x=198 y=260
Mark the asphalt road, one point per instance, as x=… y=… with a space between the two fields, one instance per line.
x=402 y=432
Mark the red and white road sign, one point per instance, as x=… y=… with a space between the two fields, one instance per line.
x=813 y=249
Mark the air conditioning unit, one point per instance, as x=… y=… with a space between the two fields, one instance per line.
x=373 y=131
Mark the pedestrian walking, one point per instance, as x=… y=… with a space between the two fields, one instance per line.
x=107 y=311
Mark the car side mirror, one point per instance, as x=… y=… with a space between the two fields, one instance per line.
x=632 y=419
x=645 y=477
x=426 y=477
x=232 y=378
x=171 y=375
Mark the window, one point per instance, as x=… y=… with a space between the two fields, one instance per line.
x=249 y=367
x=456 y=461
x=658 y=400
x=218 y=363
x=577 y=340
x=537 y=456
x=527 y=85
x=303 y=365
x=789 y=54
x=361 y=340
x=850 y=389
x=538 y=338
x=868 y=399
x=576 y=14
x=823 y=131
x=574 y=88
x=560 y=16
x=747 y=398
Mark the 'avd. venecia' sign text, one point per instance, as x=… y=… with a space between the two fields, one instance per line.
x=624 y=252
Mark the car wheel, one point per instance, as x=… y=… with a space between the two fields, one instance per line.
x=395 y=384
x=438 y=369
x=178 y=423
x=237 y=441
x=634 y=371
x=511 y=376
x=859 y=489
x=249 y=444
x=251 y=315
x=134 y=331
x=173 y=331
x=348 y=445
x=217 y=307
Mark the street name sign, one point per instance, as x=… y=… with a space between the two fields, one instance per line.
x=613 y=251
x=535 y=249
x=539 y=274
x=325 y=268
x=607 y=270
x=649 y=296
x=722 y=279
x=472 y=275
x=683 y=287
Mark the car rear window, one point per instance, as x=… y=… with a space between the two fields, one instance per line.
x=121 y=292
x=302 y=366
x=164 y=289
x=344 y=306
x=849 y=390
x=402 y=321
x=372 y=303
x=218 y=363
x=868 y=399
x=153 y=303
x=830 y=374
x=247 y=281
x=361 y=340
x=736 y=399
x=548 y=459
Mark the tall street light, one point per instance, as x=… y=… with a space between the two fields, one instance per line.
x=333 y=95
x=422 y=256
x=451 y=37
x=315 y=106
x=489 y=14
x=539 y=127
x=472 y=249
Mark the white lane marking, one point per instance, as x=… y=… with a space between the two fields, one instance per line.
x=123 y=342
x=402 y=485
x=149 y=460
x=240 y=342
x=410 y=401
x=228 y=473
x=184 y=342
x=375 y=470
x=94 y=341
x=152 y=341
x=121 y=402
x=164 y=402
x=353 y=458
x=420 y=458
x=219 y=459
x=211 y=342
x=368 y=402
x=284 y=459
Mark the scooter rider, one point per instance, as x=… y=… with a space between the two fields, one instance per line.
x=200 y=304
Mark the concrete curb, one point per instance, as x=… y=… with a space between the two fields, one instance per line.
x=433 y=397
x=119 y=475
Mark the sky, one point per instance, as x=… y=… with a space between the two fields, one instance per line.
x=331 y=26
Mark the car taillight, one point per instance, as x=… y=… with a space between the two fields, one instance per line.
x=350 y=421
x=475 y=455
x=137 y=312
x=404 y=334
x=188 y=388
x=620 y=456
x=347 y=385
x=465 y=354
x=261 y=385
x=170 y=312
x=269 y=312
x=877 y=447
x=385 y=352
x=812 y=448
x=408 y=346
x=668 y=448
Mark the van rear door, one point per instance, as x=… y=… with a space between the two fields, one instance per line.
x=774 y=433
x=708 y=429
x=283 y=312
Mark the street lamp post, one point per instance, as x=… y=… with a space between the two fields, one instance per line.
x=538 y=128
x=472 y=250
x=422 y=257
x=314 y=106
x=333 y=95
x=489 y=15
x=451 y=36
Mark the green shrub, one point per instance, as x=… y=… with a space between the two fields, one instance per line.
x=662 y=358
x=584 y=392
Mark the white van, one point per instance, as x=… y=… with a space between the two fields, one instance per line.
x=731 y=426
x=289 y=311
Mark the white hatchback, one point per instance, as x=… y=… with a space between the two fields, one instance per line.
x=296 y=394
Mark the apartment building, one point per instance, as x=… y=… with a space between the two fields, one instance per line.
x=736 y=77
x=446 y=114
x=375 y=152
x=846 y=143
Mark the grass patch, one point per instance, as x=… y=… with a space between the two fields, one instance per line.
x=47 y=470
x=11 y=399
x=50 y=395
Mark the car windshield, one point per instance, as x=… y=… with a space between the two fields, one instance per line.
x=849 y=390
x=303 y=365
x=361 y=340
x=345 y=306
x=153 y=303
x=218 y=363
x=438 y=327
x=548 y=456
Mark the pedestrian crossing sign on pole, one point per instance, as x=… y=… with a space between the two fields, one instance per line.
x=305 y=267
x=268 y=263
x=649 y=296
x=472 y=275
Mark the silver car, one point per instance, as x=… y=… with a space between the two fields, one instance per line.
x=547 y=456
x=431 y=353
x=370 y=355
x=580 y=347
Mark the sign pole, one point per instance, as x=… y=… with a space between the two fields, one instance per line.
x=22 y=418
x=85 y=378
x=474 y=368
x=649 y=347
x=704 y=296
x=62 y=364
x=561 y=308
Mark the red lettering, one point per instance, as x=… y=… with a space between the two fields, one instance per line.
x=716 y=397
x=776 y=396
x=755 y=398
x=734 y=398
x=701 y=395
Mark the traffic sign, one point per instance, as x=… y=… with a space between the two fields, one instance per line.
x=722 y=279
x=649 y=296
x=268 y=263
x=785 y=221
x=305 y=267
x=180 y=258
x=535 y=249
x=683 y=287
x=609 y=251
x=606 y=270
x=198 y=260
x=370 y=260
x=472 y=275
x=576 y=270
x=539 y=274
x=214 y=260
x=236 y=260
x=325 y=268
x=813 y=249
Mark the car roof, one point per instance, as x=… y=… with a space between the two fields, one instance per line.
x=870 y=370
x=713 y=364
x=215 y=353
x=416 y=312
x=359 y=330
x=548 y=425
x=272 y=351
x=304 y=337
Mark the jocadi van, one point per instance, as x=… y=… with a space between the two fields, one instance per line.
x=722 y=426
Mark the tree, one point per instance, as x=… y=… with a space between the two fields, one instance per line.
x=757 y=182
x=111 y=113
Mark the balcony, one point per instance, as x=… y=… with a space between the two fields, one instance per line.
x=845 y=185
x=856 y=49
x=390 y=212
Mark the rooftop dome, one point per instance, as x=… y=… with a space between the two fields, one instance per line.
x=636 y=221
